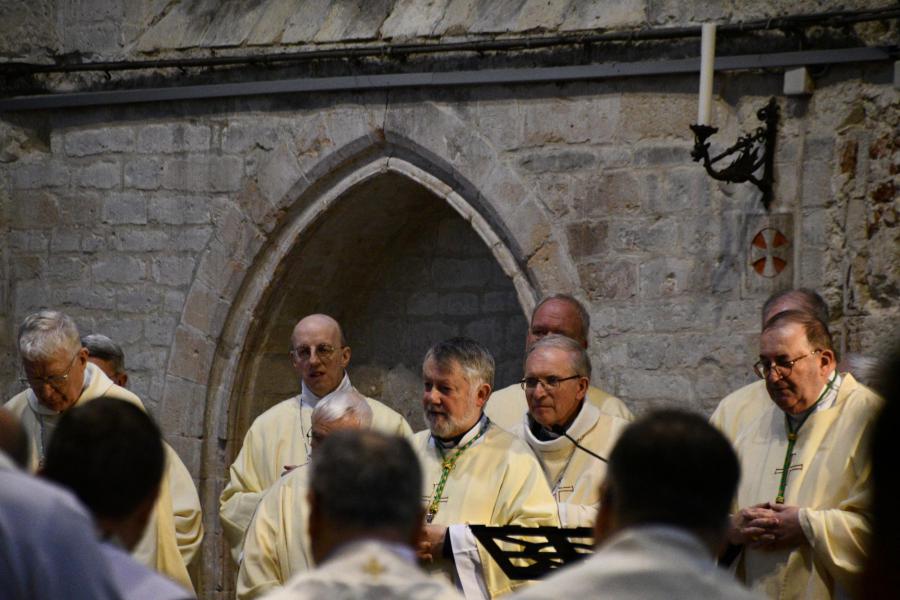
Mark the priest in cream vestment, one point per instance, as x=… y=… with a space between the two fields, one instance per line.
x=557 y=375
x=473 y=471
x=804 y=493
x=277 y=545
x=60 y=377
x=365 y=517
x=277 y=441
x=746 y=404
x=563 y=315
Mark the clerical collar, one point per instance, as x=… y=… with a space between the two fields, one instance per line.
x=308 y=398
x=827 y=397
x=453 y=442
x=544 y=434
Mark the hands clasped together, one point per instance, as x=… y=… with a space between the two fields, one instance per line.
x=767 y=526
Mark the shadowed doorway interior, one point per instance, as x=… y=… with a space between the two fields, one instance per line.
x=400 y=270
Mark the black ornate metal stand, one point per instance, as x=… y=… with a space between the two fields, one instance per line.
x=743 y=168
x=532 y=552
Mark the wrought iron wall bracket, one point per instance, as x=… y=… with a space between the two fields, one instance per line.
x=748 y=162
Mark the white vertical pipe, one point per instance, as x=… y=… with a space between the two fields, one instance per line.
x=707 y=62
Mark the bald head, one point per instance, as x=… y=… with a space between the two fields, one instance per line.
x=319 y=353
x=14 y=439
x=561 y=314
x=802 y=299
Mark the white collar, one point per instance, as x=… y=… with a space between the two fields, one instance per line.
x=308 y=398
x=90 y=371
x=587 y=417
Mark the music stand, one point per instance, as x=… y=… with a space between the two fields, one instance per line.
x=536 y=550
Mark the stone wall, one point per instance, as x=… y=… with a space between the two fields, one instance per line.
x=195 y=233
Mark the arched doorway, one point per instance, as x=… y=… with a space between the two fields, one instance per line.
x=400 y=269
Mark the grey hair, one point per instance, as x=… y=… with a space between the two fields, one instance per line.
x=583 y=315
x=864 y=369
x=343 y=404
x=475 y=360
x=368 y=480
x=45 y=332
x=579 y=358
x=100 y=346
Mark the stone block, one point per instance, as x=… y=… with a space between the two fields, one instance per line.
x=36 y=175
x=81 y=208
x=139 y=299
x=656 y=156
x=499 y=302
x=278 y=175
x=189 y=450
x=118 y=269
x=159 y=330
x=125 y=332
x=605 y=15
x=190 y=239
x=573 y=120
x=685 y=189
x=155 y=139
x=555 y=160
x=241 y=137
x=95 y=297
x=192 y=355
x=489 y=332
x=642 y=384
x=179 y=210
x=93 y=242
x=140 y=240
x=423 y=304
x=125 y=209
x=412 y=19
x=28 y=267
x=174 y=271
x=609 y=279
x=306 y=21
x=184 y=404
x=212 y=174
x=66 y=268
x=452 y=273
x=102 y=175
x=540 y=14
x=173 y=301
x=587 y=238
x=657 y=236
x=205 y=309
x=459 y=304
x=815 y=184
x=34 y=210
x=143 y=173
x=29 y=296
x=27 y=241
x=814 y=229
x=99 y=141
x=666 y=277
x=614 y=193
x=765 y=238
x=65 y=240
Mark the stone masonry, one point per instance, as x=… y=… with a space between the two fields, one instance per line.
x=195 y=233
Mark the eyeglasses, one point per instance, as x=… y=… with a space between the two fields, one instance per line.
x=54 y=381
x=550 y=382
x=325 y=352
x=783 y=367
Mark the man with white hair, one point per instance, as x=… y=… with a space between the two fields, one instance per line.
x=474 y=472
x=559 y=314
x=59 y=377
x=277 y=546
x=571 y=438
x=278 y=440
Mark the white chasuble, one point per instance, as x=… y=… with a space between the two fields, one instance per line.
x=175 y=529
x=276 y=439
x=508 y=406
x=276 y=546
x=740 y=407
x=574 y=476
x=829 y=478
x=496 y=481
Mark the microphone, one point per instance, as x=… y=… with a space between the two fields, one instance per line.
x=558 y=430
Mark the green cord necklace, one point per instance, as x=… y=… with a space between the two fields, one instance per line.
x=446 y=466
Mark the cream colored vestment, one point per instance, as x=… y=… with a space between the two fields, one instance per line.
x=740 y=407
x=277 y=438
x=276 y=546
x=175 y=530
x=829 y=479
x=574 y=476
x=508 y=406
x=496 y=481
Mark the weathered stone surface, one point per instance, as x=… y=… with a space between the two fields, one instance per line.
x=87 y=142
x=125 y=209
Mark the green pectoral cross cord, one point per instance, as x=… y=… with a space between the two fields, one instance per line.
x=792 y=434
x=446 y=466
